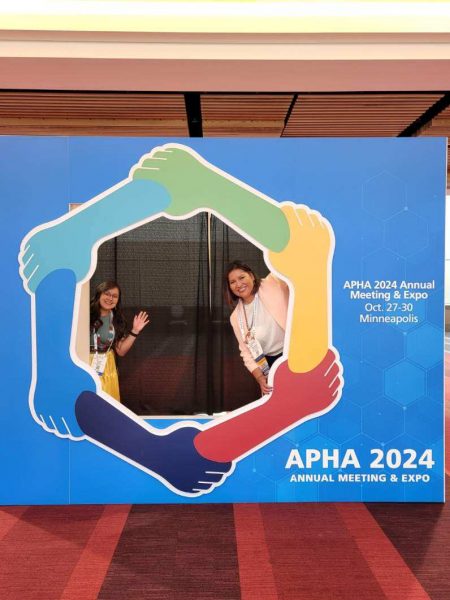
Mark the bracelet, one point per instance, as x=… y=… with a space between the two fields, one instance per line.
x=133 y=334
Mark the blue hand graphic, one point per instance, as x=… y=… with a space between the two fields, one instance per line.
x=170 y=455
x=58 y=380
x=54 y=396
x=67 y=242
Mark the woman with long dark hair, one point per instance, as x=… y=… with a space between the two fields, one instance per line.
x=258 y=319
x=109 y=334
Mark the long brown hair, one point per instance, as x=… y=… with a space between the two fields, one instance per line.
x=230 y=298
x=119 y=322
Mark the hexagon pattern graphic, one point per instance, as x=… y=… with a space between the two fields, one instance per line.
x=384 y=195
x=417 y=239
x=405 y=382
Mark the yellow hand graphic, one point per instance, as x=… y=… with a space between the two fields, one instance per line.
x=306 y=262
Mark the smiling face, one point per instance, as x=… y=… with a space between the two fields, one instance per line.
x=108 y=300
x=241 y=284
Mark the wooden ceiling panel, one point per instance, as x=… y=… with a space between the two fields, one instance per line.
x=107 y=127
x=246 y=115
x=223 y=115
x=356 y=115
x=80 y=113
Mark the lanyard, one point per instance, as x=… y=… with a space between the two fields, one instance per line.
x=249 y=338
x=111 y=330
x=252 y=327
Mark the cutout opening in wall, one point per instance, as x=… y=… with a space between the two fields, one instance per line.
x=186 y=361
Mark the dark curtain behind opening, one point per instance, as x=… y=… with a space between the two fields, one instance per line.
x=233 y=384
x=162 y=267
x=186 y=361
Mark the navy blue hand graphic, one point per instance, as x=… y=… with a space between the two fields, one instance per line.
x=170 y=455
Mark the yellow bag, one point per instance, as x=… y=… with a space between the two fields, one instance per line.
x=110 y=377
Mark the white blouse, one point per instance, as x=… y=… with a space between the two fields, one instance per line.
x=267 y=331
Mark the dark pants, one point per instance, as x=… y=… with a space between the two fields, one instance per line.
x=272 y=359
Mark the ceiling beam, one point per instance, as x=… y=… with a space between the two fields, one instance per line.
x=194 y=114
x=426 y=117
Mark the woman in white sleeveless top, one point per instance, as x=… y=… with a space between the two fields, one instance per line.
x=258 y=318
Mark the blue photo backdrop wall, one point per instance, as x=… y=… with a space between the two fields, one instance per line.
x=354 y=229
